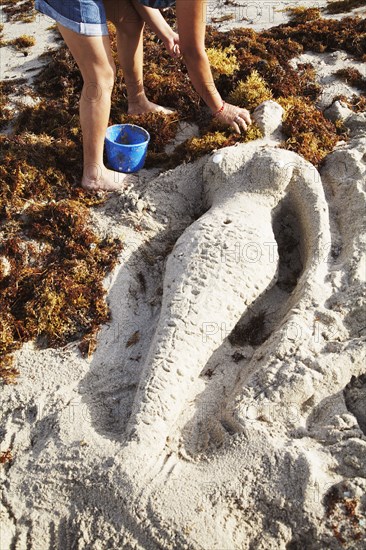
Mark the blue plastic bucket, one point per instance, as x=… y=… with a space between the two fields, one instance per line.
x=126 y=147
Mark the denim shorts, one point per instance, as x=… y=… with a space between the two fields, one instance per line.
x=159 y=4
x=85 y=16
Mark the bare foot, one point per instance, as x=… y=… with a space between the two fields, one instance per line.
x=106 y=180
x=146 y=106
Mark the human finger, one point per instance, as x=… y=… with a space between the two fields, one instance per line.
x=240 y=122
x=236 y=127
x=246 y=116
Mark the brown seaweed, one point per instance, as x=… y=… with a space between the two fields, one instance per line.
x=19 y=11
x=343 y=6
x=21 y=42
x=308 y=132
x=353 y=77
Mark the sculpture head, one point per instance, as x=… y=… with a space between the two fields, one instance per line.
x=268 y=116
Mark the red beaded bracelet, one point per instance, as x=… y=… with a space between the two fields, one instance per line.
x=220 y=110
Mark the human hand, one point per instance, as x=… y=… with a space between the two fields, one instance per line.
x=234 y=116
x=172 y=44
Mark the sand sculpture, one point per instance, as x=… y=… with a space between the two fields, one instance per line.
x=219 y=266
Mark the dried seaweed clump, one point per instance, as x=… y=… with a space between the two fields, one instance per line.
x=19 y=11
x=52 y=288
x=356 y=103
x=353 y=77
x=22 y=42
x=196 y=147
x=345 y=515
x=222 y=60
x=267 y=53
x=6 y=456
x=5 y=109
x=68 y=301
x=52 y=264
x=270 y=58
x=301 y=14
x=8 y=373
x=325 y=35
x=343 y=6
x=309 y=133
x=250 y=93
x=37 y=168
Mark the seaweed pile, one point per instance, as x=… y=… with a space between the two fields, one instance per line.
x=51 y=263
x=353 y=77
x=21 y=42
x=19 y=11
x=343 y=6
x=6 y=87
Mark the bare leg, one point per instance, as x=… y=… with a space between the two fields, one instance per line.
x=129 y=26
x=94 y=59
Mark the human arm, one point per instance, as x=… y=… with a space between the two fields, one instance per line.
x=191 y=18
x=154 y=19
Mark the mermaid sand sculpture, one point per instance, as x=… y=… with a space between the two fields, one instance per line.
x=217 y=269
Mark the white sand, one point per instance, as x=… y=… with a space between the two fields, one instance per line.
x=190 y=439
x=14 y=64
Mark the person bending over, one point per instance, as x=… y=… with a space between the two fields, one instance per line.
x=83 y=26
